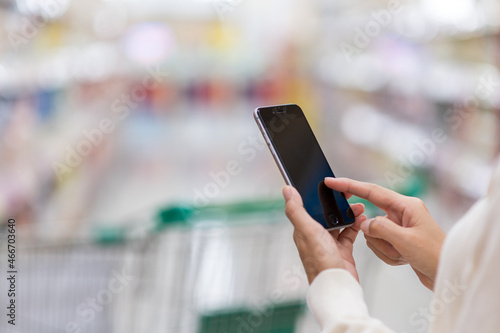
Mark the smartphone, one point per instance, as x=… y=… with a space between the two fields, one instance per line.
x=302 y=163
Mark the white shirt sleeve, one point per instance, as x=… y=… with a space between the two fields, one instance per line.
x=467 y=292
x=336 y=299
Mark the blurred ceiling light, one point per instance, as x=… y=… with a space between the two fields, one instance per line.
x=366 y=120
x=96 y=63
x=404 y=66
x=49 y=9
x=448 y=11
x=491 y=10
x=364 y=72
x=380 y=132
x=473 y=23
x=110 y=21
x=413 y=24
x=400 y=142
x=54 y=71
x=444 y=82
x=367 y=73
x=148 y=43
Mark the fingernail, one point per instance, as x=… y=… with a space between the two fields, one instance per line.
x=329 y=178
x=365 y=226
x=287 y=193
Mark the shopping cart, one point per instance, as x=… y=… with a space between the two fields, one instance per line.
x=224 y=269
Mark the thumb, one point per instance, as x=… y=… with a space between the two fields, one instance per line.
x=294 y=208
x=383 y=228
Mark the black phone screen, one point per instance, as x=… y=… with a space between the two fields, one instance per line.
x=305 y=164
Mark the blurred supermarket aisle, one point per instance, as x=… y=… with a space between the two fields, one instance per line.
x=111 y=110
x=160 y=95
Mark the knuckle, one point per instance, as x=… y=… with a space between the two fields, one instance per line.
x=368 y=238
x=372 y=247
x=411 y=239
x=372 y=188
x=381 y=256
x=293 y=210
x=412 y=204
x=298 y=236
x=418 y=202
x=303 y=236
x=391 y=262
x=393 y=254
x=290 y=210
x=376 y=225
x=385 y=249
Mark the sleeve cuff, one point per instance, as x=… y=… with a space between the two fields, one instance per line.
x=334 y=296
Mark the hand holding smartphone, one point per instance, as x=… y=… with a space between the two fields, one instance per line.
x=303 y=164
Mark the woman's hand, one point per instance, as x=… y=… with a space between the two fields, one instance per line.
x=407 y=234
x=318 y=248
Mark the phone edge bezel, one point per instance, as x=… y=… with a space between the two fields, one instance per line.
x=270 y=146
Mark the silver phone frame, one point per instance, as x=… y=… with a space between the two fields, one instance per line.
x=270 y=145
x=262 y=129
